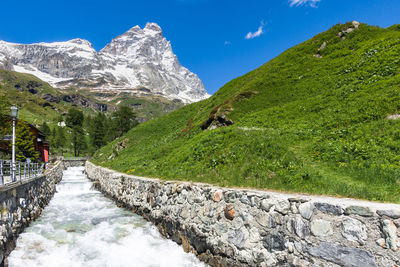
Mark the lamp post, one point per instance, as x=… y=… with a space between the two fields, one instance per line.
x=14 y=115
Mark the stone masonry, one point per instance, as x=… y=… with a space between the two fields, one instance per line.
x=236 y=227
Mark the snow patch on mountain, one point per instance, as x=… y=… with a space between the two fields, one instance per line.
x=41 y=75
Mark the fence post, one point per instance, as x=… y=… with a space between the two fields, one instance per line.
x=1 y=171
x=41 y=169
x=19 y=170
x=9 y=169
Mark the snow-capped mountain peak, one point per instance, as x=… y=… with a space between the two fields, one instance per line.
x=82 y=42
x=152 y=29
x=136 y=59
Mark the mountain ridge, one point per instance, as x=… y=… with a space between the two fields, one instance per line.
x=136 y=59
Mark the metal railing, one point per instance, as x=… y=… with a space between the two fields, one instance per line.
x=23 y=171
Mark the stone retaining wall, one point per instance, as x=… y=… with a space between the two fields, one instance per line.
x=73 y=163
x=23 y=202
x=234 y=227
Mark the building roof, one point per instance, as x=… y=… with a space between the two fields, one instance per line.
x=33 y=128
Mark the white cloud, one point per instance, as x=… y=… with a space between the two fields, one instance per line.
x=227 y=43
x=260 y=31
x=312 y=3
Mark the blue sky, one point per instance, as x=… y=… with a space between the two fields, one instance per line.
x=217 y=39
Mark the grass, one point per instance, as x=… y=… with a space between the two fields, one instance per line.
x=147 y=107
x=301 y=124
x=15 y=89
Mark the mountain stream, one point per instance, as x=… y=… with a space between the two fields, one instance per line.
x=80 y=227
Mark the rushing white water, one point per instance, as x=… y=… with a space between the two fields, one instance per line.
x=80 y=227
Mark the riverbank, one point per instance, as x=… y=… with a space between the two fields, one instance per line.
x=237 y=227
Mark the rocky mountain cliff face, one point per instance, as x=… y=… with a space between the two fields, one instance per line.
x=139 y=61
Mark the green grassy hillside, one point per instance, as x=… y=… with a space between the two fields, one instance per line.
x=26 y=91
x=314 y=120
x=40 y=102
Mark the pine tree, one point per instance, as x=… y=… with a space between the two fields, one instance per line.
x=59 y=138
x=4 y=104
x=4 y=127
x=78 y=140
x=51 y=138
x=74 y=118
x=124 y=119
x=109 y=128
x=24 y=143
x=75 y=121
x=4 y=109
x=98 y=131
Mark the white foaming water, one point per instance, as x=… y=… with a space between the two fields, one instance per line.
x=80 y=227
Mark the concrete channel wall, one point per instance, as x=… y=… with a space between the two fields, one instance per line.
x=23 y=202
x=236 y=227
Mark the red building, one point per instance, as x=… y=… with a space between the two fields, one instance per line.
x=41 y=145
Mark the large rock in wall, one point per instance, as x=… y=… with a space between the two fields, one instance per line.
x=23 y=202
x=234 y=227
